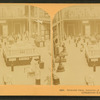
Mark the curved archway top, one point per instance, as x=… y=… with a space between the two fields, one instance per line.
x=42 y=13
x=78 y=12
x=9 y=11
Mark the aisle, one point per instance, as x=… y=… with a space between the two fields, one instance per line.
x=76 y=68
x=19 y=75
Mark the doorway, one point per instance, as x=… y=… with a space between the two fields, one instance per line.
x=70 y=29
x=17 y=29
x=1 y=31
x=86 y=31
x=98 y=28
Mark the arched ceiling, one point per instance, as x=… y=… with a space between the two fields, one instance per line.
x=79 y=12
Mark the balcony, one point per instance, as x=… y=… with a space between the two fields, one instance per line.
x=12 y=12
x=82 y=13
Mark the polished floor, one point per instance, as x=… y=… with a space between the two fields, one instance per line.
x=76 y=68
x=20 y=74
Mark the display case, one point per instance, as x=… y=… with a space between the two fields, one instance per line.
x=92 y=54
x=39 y=41
x=19 y=53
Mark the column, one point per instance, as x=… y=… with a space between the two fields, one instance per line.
x=29 y=19
x=94 y=28
x=38 y=23
x=64 y=35
x=81 y=27
x=12 y=28
x=58 y=34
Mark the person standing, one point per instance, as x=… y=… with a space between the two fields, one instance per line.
x=56 y=48
x=37 y=73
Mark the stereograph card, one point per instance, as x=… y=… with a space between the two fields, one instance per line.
x=50 y=49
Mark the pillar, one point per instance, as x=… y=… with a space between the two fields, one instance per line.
x=29 y=20
x=38 y=23
x=63 y=31
x=61 y=34
x=58 y=34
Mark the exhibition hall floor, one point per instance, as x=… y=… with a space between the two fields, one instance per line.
x=20 y=74
x=76 y=68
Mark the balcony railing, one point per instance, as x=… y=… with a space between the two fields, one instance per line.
x=82 y=13
x=13 y=12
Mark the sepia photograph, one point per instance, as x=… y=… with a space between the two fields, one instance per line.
x=76 y=45
x=49 y=49
x=25 y=45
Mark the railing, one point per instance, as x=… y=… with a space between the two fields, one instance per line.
x=22 y=52
x=82 y=13
x=12 y=12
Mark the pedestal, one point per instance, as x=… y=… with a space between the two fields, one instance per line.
x=56 y=81
x=38 y=81
x=12 y=67
x=60 y=68
x=41 y=65
x=94 y=68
